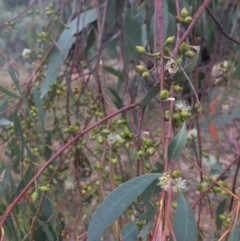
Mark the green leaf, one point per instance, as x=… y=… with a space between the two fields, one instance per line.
x=220 y=210
x=46 y=230
x=115 y=72
x=8 y=92
x=111 y=14
x=166 y=20
x=178 y=143
x=38 y=103
x=185 y=227
x=145 y=230
x=6 y=180
x=5 y=122
x=154 y=91
x=24 y=181
x=234 y=115
x=65 y=42
x=3 y=107
x=116 y=203
x=234 y=236
x=132 y=30
x=130 y=232
x=9 y=226
x=116 y=98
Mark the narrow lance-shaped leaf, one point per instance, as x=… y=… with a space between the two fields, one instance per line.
x=5 y=122
x=116 y=203
x=178 y=143
x=234 y=236
x=130 y=232
x=185 y=228
x=8 y=92
x=65 y=42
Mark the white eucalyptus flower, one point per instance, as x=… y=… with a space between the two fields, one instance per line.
x=26 y=52
x=179 y=183
x=181 y=105
x=165 y=181
x=172 y=66
x=113 y=138
x=210 y=160
x=192 y=134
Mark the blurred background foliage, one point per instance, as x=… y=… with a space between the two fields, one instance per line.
x=53 y=105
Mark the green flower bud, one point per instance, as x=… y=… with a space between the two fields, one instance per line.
x=100 y=140
x=222 y=216
x=216 y=189
x=184 y=13
x=157 y=57
x=176 y=116
x=97 y=166
x=177 y=88
x=141 y=68
x=174 y=205
x=140 y=154
x=228 y=220
x=201 y=187
x=177 y=173
x=27 y=160
x=34 y=196
x=164 y=94
x=150 y=151
x=166 y=115
x=44 y=188
x=99 y=114
x=170 y=40
x=190 y=54
x=140 y=50
x=146 y=75
x=147 y=166
x=139 y=224
x=183 y=47
x=223 y=192
x=105 y=132
x=180 y=59
x=131 y=136
x=147 y=142
x=114 y=161
x=187 y=20
x=185 y=115
x=223 y=183
x=178 y=19
x=166 y=50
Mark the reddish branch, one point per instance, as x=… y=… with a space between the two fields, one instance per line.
x=221 y=27
x=43 y=168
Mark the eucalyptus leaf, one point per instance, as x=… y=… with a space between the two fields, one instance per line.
x=220 y=210
x=234 y=115
x=5 y=122
x=8 y=92
x=65 y=42
x=130 y=232
x=234 y=236
x=38 y=103
x=116 y=98
x=178 y=143
x=185 y=227
x=3 y=107
x=116 y=203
